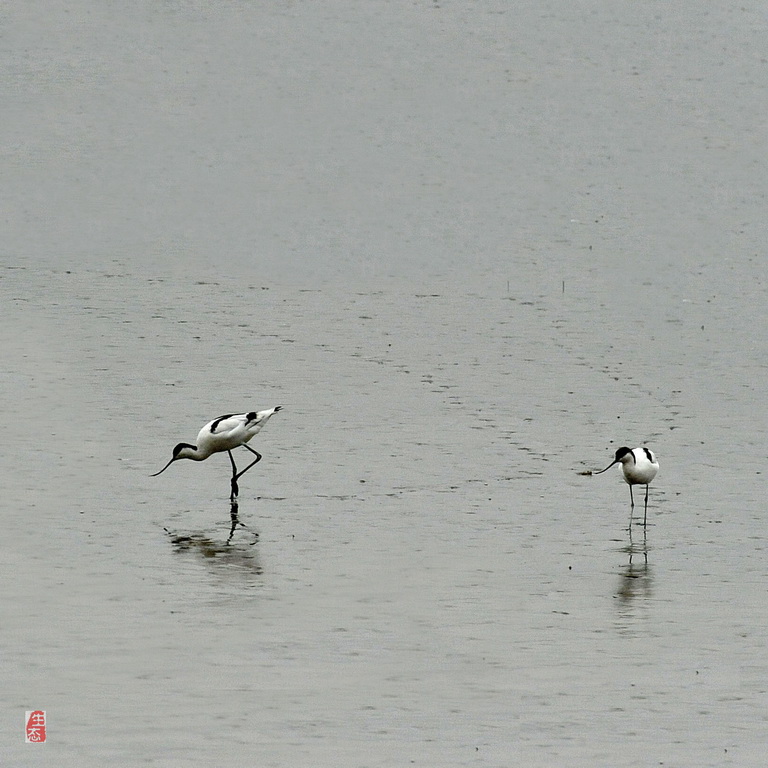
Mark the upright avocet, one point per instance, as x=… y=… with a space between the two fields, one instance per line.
x=224 y=434
x=639 y=466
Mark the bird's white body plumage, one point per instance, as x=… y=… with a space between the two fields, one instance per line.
x=225 y=433
x=639 y=466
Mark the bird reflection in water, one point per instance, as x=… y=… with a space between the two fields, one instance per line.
x=636 y=575
x=223 y=552
x=237 y=522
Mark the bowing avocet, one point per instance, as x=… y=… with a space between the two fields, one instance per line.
x=639 y=466
x=223 y=434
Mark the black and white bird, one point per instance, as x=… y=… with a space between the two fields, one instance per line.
x=639 y=466
x=223 y=434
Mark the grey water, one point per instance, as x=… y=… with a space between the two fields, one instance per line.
x=471 y=250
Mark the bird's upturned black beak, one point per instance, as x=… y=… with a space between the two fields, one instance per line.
x=602 y=470
x=164 y=468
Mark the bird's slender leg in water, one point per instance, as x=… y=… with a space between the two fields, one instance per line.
x=237 y=475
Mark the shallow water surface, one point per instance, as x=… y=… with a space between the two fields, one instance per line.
x=471 y=251
x=434 y=580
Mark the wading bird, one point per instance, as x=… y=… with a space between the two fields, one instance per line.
x=224 y=434
x=639 y=466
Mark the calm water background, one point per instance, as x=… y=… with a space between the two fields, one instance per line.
x=471 y=249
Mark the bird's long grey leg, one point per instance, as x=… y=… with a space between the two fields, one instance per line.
x=255 y=461
x=632 y=506
x=237 y=475
x=233 y=483
x=645 y=516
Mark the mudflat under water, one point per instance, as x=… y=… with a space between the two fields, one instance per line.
x=471 y=252
x=434 y=580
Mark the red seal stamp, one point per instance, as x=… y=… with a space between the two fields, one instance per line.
x=34 y=727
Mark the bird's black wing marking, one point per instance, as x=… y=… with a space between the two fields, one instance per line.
x=250 y=416
x=216 y=422
x=648 y=454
